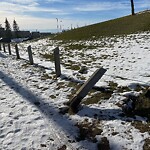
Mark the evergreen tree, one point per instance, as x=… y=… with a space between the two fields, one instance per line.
x=8 y=29
x=132 y=7
x=15 y=28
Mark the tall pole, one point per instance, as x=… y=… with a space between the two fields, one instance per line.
x=57 y=25
x=60 y=25
x=132 y=7
x=71 y=26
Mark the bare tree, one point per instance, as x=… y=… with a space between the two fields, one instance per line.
x=132 y=7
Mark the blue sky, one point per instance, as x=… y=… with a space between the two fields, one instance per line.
x=41 y=14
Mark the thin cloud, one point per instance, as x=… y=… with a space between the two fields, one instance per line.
x=18 y=8
x=143 y=4
x=55 y=1
x=102 y=6
x=36 y=23
x=105 y=6
x=23 y=2
x=29 y=22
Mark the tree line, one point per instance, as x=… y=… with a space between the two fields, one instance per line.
x=8 y=29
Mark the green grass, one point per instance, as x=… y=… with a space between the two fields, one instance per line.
x=47 y=56
x=146 y=145
x=143 y=106
x=96 y=97
x=120 y=26
x=79 y=47
x=89 y=130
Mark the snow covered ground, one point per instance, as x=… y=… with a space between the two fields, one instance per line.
x=30 y=95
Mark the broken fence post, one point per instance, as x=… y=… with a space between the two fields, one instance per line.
x=30 y=55
x=4 y=47
x=85 y=88
x=9 y=49
x=57 y=62
x=17 y=51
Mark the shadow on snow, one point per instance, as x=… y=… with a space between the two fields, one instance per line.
x=47 y=109
x=2 y=55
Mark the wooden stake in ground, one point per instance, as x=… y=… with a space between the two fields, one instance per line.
x=0 y=47
x=17 y=51
x=85 y=88
x=30 y=55
x=4 y=47
x=9 y=49
x=57 y=62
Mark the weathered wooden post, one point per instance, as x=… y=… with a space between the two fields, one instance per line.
x=4 y=47
x=0 y=47
x=30 y=55
x=57 y=62
x=85 y=88
x=9 y=49
x=17 y=51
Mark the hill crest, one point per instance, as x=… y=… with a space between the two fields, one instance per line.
x=119 y=26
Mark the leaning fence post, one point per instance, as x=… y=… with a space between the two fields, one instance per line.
x=9 y=49
x=85 y=88
x=4 y=47
x=57 y=62
x=17 y=51
x=30 y=55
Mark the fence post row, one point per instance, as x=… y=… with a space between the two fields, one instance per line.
x=9 y=49
x=30 y=55
x=57 y=62
x=17 y=51
x=4 y=48
x=85 y=88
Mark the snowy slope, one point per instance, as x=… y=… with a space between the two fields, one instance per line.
x=30 y=96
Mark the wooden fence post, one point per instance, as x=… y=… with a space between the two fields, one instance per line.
x=57 y=62
x=17 y=51
x=30 y=55
x=4 y=47
x=9 y=49
x=85 y=88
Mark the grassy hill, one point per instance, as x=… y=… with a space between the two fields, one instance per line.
x=125 y=25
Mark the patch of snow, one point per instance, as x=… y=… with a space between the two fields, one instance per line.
x=30 y=101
